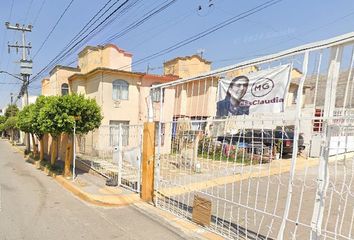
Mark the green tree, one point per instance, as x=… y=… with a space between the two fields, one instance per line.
x=25 y=120
x=37 y=123
x=11 y=111
x=2 y=121
x=53 y=121
x=86 y=115
x=11 y=126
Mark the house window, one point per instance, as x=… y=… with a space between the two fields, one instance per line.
x=114 y=132
x=198 y=123
x=156 y=93
x=120 y=90
x=64 y=89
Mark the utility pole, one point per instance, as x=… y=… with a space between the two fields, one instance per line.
x=12 y=98
x=25 y=64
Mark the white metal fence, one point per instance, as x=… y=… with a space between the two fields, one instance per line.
x=115 y=152
x=287 y=175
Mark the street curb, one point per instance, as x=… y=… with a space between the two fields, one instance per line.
x=193 y=230
x=99 y=200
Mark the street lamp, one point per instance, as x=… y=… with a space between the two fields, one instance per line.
x=12 y=75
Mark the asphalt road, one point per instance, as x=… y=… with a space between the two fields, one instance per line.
x=34 y=206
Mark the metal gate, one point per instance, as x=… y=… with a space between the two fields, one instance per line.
x=285 y=175
x=115 y=152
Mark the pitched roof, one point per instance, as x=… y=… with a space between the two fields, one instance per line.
x=166 y=78
x=76 y=69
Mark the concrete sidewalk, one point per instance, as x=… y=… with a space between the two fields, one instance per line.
x=91 y=189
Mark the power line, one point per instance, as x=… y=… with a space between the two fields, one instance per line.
x=132 y=26
x=53 y=28
x=208 y=31
x=39 y=12
x=54 y=60
x=86 y=27
x=28 y=10
x=294 y=38
x=97 y=30
x=5 y=35
x=145 y=17
x=61 y=55
x=11 y=83
x=169 y=25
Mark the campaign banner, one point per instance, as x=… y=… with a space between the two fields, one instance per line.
x=256 y=92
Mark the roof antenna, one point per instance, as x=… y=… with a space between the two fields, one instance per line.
x=200 y=52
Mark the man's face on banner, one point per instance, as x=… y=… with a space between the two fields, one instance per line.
x=239 y=88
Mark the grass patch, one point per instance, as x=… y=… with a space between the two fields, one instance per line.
x=221 y=157
x=56 y=168
x=35 y=158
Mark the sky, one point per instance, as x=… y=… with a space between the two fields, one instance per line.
x=286 y=24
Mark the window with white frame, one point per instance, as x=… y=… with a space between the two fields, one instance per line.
x=120 y=90
x=114 y=133
x=64 y=89
x=156 y=93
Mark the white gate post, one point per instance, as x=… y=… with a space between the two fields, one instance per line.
x=159 y=141
x=140 y=158
x=295 y=146
x=329 y=106
x=120 y=152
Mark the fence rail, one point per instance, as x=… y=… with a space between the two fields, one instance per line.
x=268 y=174
x=115 y=152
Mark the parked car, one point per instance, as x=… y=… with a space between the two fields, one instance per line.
x=283 y=139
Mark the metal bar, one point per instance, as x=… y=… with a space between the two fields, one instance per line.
x=323 y=178
x=120 y=152
x=339 y=40
x=295 y=146
x=140 y=160
x=74 y=150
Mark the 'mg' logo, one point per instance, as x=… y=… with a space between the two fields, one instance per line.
x=262 y=87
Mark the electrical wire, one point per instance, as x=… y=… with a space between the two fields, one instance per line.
x=38 y=13
x=63 y=53
x=144 y=18
x=207 y=32
x=132 y=26
x=5 y=34
x=28 y=11
x=53 y=28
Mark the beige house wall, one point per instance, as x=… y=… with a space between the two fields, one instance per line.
x=58 y=76
x=98 y=85
x=108 y=56
x=185 y=67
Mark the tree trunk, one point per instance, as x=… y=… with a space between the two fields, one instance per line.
x=68 y=157
x=41 y=154
x=35 y=150
x=54 y=153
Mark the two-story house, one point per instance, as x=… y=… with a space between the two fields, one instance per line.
x=104 y=74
